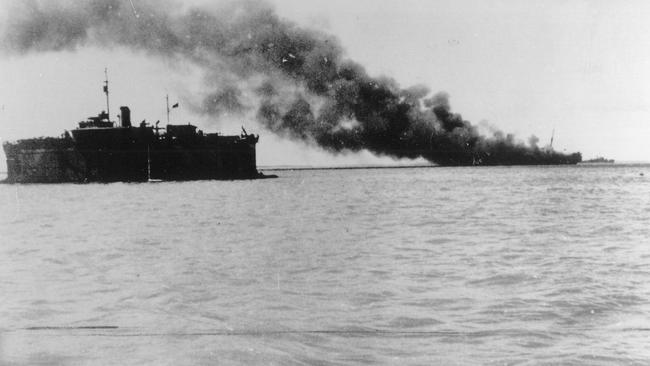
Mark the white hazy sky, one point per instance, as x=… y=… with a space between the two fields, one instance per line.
x=527 y=67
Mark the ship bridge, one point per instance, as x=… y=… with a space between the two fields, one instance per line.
x=100 y=121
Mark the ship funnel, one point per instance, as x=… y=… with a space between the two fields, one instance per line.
x=126 y=116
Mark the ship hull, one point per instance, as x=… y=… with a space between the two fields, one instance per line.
x=130 y=155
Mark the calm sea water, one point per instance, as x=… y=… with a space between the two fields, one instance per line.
x=448 y=266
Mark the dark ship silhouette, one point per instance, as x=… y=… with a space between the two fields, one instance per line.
x=101 y=150
x=599 y=160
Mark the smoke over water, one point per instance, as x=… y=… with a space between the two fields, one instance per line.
x=295 y=81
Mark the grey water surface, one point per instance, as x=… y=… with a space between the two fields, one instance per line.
x=421 y=266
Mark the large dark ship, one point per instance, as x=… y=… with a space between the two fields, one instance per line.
x=101 y=150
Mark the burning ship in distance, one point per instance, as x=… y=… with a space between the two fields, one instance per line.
x=298 y=82
x=101 y=150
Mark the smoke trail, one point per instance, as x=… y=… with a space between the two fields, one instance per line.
x=295 y=81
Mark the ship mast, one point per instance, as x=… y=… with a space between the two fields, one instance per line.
x=108 y=111
x=167 y=98
x=552 y=136
x=169 y=109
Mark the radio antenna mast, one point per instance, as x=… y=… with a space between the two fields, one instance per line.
x=108 y=112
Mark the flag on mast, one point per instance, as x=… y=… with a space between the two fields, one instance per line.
x=169 y=109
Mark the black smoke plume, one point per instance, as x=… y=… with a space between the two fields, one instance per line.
x=295 y=81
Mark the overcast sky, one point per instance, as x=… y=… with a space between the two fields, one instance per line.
x=526 y=67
